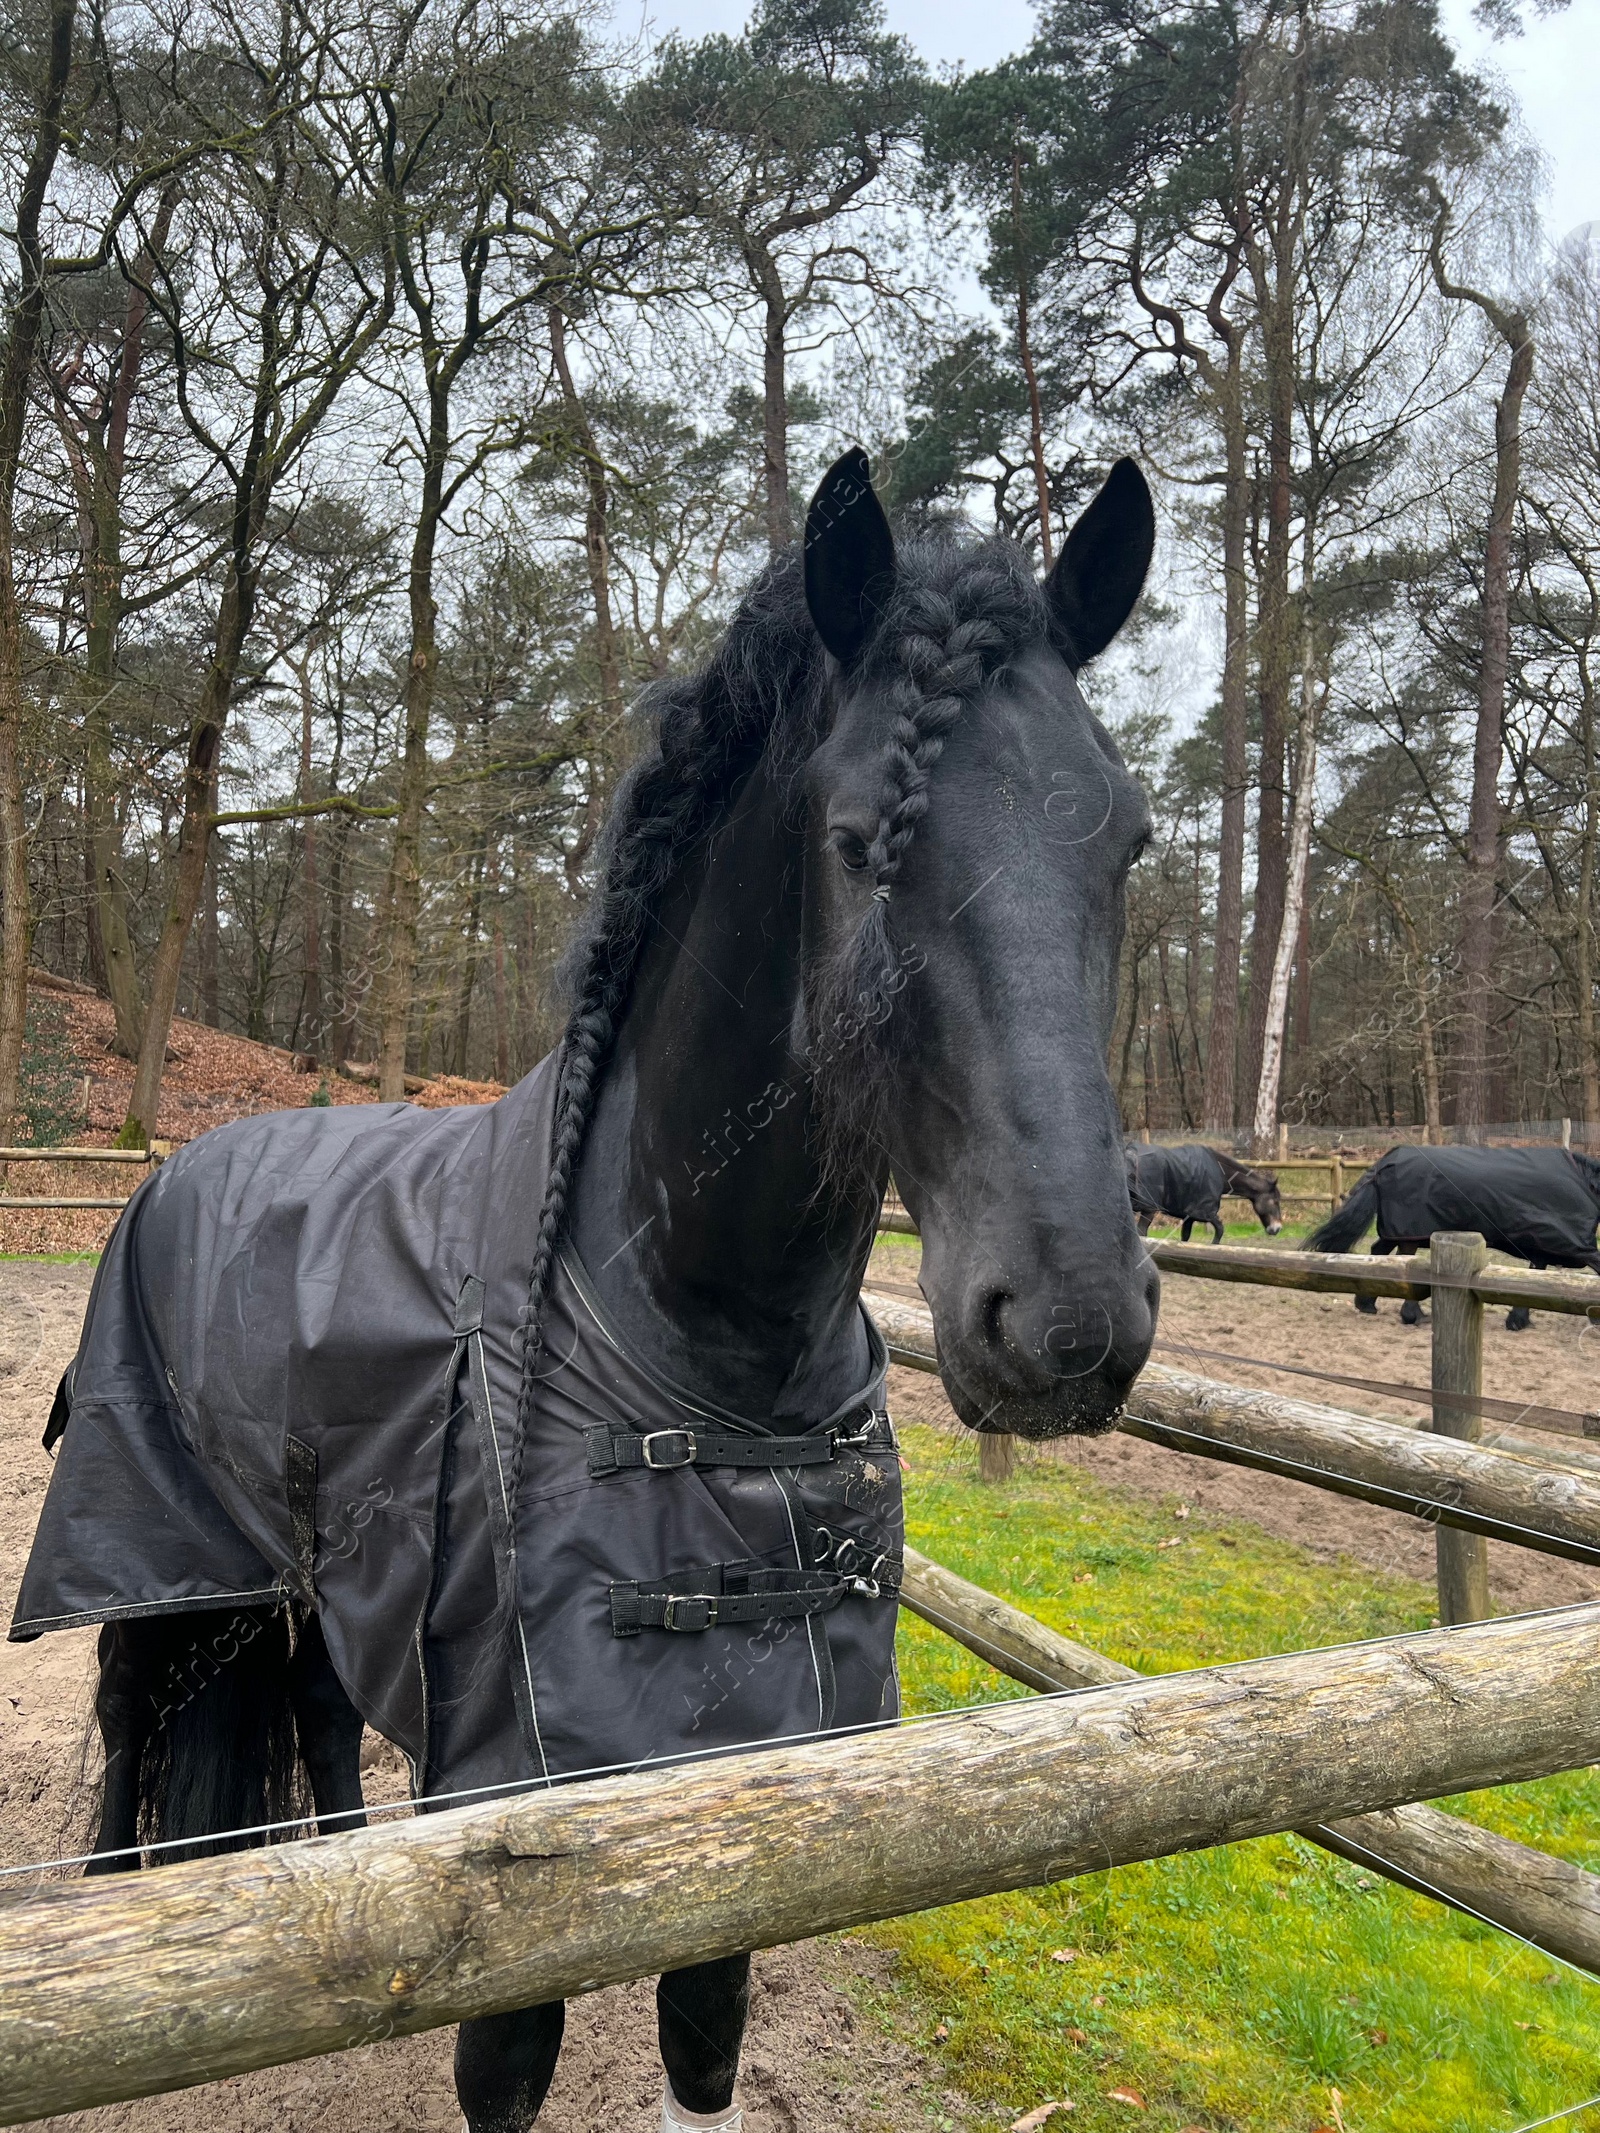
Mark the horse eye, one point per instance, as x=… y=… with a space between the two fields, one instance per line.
x=852 y=850
x=1139 y=851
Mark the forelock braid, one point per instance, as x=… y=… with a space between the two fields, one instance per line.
x=945 y=644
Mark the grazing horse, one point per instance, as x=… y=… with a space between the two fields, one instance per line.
x=550 y=1436
x=1187 y=1184
x=1538 y=1204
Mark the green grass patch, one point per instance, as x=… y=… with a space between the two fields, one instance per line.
x=51 y=1258
x=1265 y=1988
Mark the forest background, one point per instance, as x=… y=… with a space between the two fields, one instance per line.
x=389 y=393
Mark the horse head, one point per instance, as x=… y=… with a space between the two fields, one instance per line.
x=1266 y=1199
x=970 y=831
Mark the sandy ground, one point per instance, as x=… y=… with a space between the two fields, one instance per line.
x=819 y=2057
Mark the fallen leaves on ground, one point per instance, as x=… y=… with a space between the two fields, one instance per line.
x=211 y=1078
x=1030 y=2121
x=1131 y=2097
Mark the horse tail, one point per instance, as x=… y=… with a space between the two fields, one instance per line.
x=1348 y=1222
x=221 y=1756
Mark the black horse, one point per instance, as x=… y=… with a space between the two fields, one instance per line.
x=550 y=1435
x=1187 y=1185
x=1538 y=1204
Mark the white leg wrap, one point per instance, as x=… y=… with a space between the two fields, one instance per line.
x=675 y=2119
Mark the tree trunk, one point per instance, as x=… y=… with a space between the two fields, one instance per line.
x=597 y=555
x=1301 y=1019
x=16 y=373
x=774 y=401
x=1478 y=893
x=1276 y=664
x=1222 y=1040
x=1030 y=373
x=470 y=934
x=310 y=910
x=210 y=977
x=400 y=908
x=1589 y=1062
x=1275 y=1020
x=502 y=1027
x=194 y=849
x=596 y=525
x=103 y=464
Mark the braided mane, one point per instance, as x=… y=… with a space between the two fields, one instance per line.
x=958 y=612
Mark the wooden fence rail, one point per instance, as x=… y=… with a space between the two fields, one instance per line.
x=157 y=1152
x=1455 y=1274
x=125 y=1986
x=1554 y=1905
x=1468 y=1488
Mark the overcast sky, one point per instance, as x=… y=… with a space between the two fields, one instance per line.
x=1553 y=70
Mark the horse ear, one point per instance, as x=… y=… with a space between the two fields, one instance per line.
x=1101 y=569
x=849 y=556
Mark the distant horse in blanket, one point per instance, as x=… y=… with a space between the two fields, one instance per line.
x=1187 y=1184
x=550 y=1436
x=1538 y=1204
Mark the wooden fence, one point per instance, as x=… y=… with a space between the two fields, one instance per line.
x=125 y=1986
x=121 y=1987
x=157 y=1152
x=1470 y=1493
x=1545 y=1901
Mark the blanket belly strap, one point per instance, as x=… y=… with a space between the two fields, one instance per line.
x=615 y=1449
x=724 y=1595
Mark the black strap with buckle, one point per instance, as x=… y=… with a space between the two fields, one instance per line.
x=616 y=1448
x=723 y=1595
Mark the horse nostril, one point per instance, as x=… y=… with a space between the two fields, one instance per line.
x=994 y=1308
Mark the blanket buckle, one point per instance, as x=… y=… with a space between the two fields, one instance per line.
x=702 y=1606
x=691 y=1450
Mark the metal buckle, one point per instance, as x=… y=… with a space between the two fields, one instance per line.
x=669 y=1611
x=670 y=1466
x=867 y=1438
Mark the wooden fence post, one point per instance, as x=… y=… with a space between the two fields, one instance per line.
x=1335 y=1181
x=1463 y=1558
x=997 y=1456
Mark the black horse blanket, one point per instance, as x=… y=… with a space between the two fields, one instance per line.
x=1539 y=1204
x=297 y=1381
x=1184 y=1183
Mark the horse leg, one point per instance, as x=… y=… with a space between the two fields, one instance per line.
x=125 y=1714
x=1520 y=1317
x=1217 y=1231
x=700 y=2018
x=505 y=2064
x=1410 y=1310
x=1369 y=1304
x=328 y=1727
x=1144 y=1224
x=1188 y=1225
